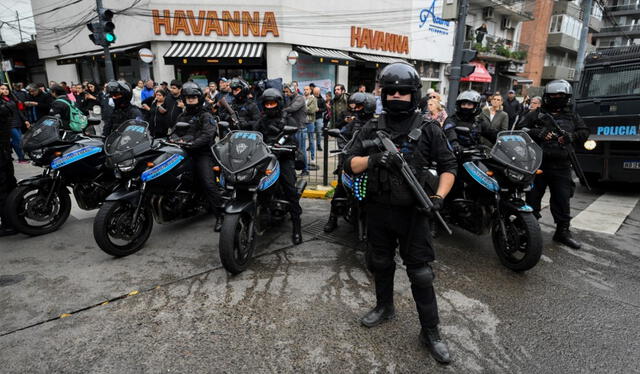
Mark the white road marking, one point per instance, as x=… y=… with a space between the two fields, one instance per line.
x=606 y=214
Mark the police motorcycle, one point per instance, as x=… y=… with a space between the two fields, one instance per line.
x=249 y=170
x=351 y=208
x=41 y=204
x=489 y=196
x=156 y=184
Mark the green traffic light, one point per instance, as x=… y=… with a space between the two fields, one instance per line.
x=109 y=37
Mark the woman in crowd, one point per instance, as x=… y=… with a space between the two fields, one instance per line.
x=158 y=115
x=435 y=111
x=494 y=117
x=136 y=98
x=18 y=121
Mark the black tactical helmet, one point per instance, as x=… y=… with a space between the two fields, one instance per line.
x=472 y=97
x=555 y=87
x=401 y=77
x=272 y=102
x=365 y=104
x=242 y=85
x=191 y=89
x=120 y=92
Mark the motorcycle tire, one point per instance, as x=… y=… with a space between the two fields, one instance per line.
x=236 y=243
x=103 y=225
x=524 y=240
x=17 y=216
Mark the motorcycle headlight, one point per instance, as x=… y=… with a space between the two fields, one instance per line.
x=246 y=175
x=515 y=176
x=126 y=166
x=36 y=155
x=590 y=145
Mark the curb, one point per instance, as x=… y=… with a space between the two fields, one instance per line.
x=314 y=194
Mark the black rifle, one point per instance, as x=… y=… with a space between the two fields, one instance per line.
x=412 y=181
x=572 y=152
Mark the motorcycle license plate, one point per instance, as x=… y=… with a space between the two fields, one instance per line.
x=631 y=164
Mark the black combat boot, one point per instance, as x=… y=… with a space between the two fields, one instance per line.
x=219 y=220
x=332 y=223
x=563 y=235
x=7 y=231
x=378 y=315
x=430 y=337
x=296 y=238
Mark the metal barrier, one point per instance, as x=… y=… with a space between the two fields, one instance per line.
x=321 y=164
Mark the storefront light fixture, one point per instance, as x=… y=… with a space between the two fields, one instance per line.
x=184 y=60
x=321 y=59
x=239 y=60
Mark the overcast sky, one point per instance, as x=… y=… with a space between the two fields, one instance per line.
x=9 y=31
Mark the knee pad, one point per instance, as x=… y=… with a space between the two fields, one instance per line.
x=422 y=276
x=379 y=263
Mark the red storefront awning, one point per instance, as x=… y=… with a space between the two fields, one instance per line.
x=480 y=75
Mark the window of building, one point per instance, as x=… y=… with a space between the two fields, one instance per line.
x=562 y=23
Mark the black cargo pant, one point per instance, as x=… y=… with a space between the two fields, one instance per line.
x=206 y=178
x=7 y=180
x=389 y=226
x=287 y=182
x=561 y=187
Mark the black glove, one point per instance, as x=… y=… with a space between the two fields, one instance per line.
x=567 y=138
x=438 y=202
x=385 y=159
x=456 y=148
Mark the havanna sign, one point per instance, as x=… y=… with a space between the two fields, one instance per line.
x=362 y=37
x=207 y=22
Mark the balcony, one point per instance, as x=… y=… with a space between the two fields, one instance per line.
x=627 y=30
x=518 y=10
x=558 y=72
x=495 y=48
x=566 y=43
x=623 y=10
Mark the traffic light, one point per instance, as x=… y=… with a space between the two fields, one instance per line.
x=107 y=26
x=467 y=69
x=102 y=30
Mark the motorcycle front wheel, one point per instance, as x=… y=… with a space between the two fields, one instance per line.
x=237 y=242
x=522 y=247
x=31 y=211
x=116 y=233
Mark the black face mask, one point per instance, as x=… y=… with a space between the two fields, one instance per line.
x=191 y=108
x=466 y=114
x=272 y=112
x=121 y=102
x=557 y=104
x=398 y=107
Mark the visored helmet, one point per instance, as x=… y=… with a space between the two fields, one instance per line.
x=272 y=102
x=191 y=89
x=562 y=91
x=364 y=105
x=242 y=85
x=120 y=92
x=469 y=96
x=403 y=78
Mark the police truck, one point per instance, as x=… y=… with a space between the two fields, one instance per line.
x=608 y=99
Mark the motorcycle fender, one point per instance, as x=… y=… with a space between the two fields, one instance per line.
x=235 y=207
x=132 y=196
x=39 y=180
x=517 y=205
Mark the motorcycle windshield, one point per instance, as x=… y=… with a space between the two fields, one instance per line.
x=129 y=140
x=46 y=131
x=240 y=150
x=516 y=150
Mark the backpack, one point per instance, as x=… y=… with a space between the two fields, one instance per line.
x=77 y=120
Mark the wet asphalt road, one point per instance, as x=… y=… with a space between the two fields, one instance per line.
x=297 y=308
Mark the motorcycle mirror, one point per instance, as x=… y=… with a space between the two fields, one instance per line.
x=224 y=124
x=288 y=130
x=462 y=129
x=334 y=132
x=182 y=125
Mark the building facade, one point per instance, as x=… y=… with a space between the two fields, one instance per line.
x=325 y=42
x=621 y=25
x=493 y=28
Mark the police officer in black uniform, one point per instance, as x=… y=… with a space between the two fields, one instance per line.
x=120 y=93
x=198 y=139
x=363 y=108
x=556 y=164
x=392 y=214
x=468 y=107
x=271 y=124
x=246 y=109
x=7 y=173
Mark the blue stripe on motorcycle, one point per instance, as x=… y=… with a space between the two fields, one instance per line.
x=525 y=208
x=268 y=181
x=481 y=177
x=74 y=156
x=162 y=168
